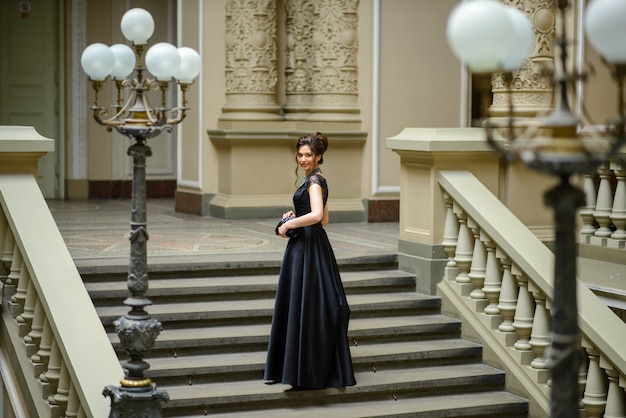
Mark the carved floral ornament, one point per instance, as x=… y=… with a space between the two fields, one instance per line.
x=320 y=51
x=532 y=84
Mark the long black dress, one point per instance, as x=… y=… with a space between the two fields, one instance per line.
x=308 y=344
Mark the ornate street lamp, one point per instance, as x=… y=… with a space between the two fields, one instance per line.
x=491 y=38
x=133 y=116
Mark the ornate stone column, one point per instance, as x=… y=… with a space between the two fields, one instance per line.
x=531 y=87
x=321 y=63
x=251 y=61
x=299 y=28
x=530 y=90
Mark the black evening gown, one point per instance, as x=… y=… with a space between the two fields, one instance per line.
x=308 y=344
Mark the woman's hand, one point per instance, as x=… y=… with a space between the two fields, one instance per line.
x=288 y=214
x=282 y=230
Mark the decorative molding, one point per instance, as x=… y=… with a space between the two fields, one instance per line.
x=335 y=52
x=299 y=27
x=532 y=87
x=251 y=60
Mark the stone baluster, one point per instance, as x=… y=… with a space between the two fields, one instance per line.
x=508 y=296
x=586 y=212
x=13 y=281
x=604 y=203
x=615 y=401
x=618 y=213
x=463 y=255
x=61 y=397
x=4 y=230
x=582 y=382
x=33 y=338
x=493 y=277
x=25 y=319
x=8 y=246
x=73 y=403
x=50 y=379
x=450 y=237
x=19 y=298
x=251 y=61
x=594 y=398
x=479 y=262
x=540 y=335
x=524 y=315
x=40 y=359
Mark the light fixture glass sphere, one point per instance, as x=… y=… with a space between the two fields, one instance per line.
x=190 y=64
x=480 y=34
x=162 y=60
x=97 y=61
x=124 y=61
x=605 y=27
x=137 y=26
x=524 y=39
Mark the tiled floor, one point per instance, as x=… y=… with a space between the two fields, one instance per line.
x=98 y=229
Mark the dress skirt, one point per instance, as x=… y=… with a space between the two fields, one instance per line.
x=308 y=344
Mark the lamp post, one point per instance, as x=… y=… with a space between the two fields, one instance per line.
x=556 y=145
x=133 y=116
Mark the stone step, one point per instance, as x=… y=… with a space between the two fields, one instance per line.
x=408 y=358
x=96 y=271
x=247 y=337
x=227 y=287
x=209 y=367
x=234 y=397
x=260 y=310
x=492 y=404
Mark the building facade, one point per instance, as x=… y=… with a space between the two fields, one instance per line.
x=360 y=71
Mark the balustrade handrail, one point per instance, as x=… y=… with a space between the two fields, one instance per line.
x=86 y=352
x=599 y=326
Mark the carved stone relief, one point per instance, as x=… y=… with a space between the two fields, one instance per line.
x=532 y=86
x=251 y=59
x=299 y=57
x=321 y=45
x=335 y=48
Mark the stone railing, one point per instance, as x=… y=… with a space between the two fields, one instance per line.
x=55 y=357
x=498 y=279
x=604 y=215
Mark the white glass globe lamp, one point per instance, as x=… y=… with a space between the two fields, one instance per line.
x=137 y=26
x=524 y=39
x=480 y=33
x=605 y=28
x=162 y=60
x=97 y=61
x=189 y=67
x=124 y=61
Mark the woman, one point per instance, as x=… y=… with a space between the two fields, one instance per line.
x=308 y=347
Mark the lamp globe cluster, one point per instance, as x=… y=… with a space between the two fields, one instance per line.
x=489 y=36
x=163 y=60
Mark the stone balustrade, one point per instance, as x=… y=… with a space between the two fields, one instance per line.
x=55 y=356
x=603 y=218
x=498 y=280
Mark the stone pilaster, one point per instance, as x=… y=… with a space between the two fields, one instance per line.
x=321 y=65
x=299 y=27
x=531 y=88
x=251 y=61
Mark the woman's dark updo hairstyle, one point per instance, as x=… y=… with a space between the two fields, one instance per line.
x=318 y=143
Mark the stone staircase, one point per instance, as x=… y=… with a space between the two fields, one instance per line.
x=409 y=359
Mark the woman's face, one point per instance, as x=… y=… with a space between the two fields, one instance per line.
x=307 y=159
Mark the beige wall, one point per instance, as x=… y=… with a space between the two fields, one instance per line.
x=410 y=79
x=419 y=76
